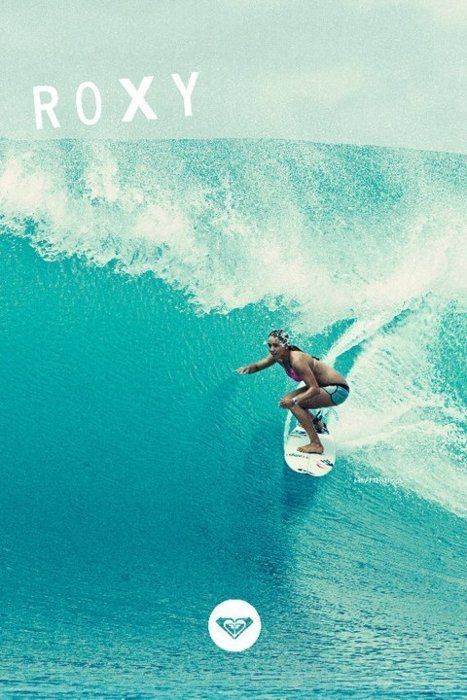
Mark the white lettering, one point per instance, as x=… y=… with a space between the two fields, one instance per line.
x=137 y=98
x=79 y=103
x=186 y=91
x=48 y=107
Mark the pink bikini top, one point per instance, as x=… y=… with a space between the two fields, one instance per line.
x=292 y=373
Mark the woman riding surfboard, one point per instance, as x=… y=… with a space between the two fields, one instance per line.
x=325 y=387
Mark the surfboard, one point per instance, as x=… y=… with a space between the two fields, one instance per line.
x=312 y=464
x=300 y=462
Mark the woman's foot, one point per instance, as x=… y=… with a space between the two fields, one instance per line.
x=312 y=448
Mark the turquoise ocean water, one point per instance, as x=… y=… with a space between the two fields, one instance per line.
x=143 y=481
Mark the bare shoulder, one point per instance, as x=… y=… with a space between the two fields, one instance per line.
x=301 y=360
x=298 y=357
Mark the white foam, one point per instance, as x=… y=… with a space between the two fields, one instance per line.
x=401 y=421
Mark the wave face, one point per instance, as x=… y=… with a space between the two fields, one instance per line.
x=145 y=479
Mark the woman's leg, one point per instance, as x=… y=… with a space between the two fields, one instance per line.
x=321 y=400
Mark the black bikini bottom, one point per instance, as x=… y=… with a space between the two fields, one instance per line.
x=344 y=386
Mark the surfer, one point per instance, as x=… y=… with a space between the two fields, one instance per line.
x=325 y=387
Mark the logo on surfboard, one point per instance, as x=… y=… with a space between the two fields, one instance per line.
x=323 y=463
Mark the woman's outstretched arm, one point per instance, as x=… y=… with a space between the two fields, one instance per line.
x=256 y=366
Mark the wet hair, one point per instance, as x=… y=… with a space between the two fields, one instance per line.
x=283 y=338
x=281 y=335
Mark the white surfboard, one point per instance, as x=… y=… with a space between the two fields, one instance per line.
x=312 y=464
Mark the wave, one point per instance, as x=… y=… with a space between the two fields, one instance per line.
x=364 y=244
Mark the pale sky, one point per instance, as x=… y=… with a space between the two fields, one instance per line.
x=381 y=72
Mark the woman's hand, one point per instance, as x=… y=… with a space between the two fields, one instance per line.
x=286 y=402
x=246 y=369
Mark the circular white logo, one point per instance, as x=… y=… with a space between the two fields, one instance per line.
x=234 y=625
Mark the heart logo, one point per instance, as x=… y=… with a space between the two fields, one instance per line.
x=234 y=627
x=228 y=622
